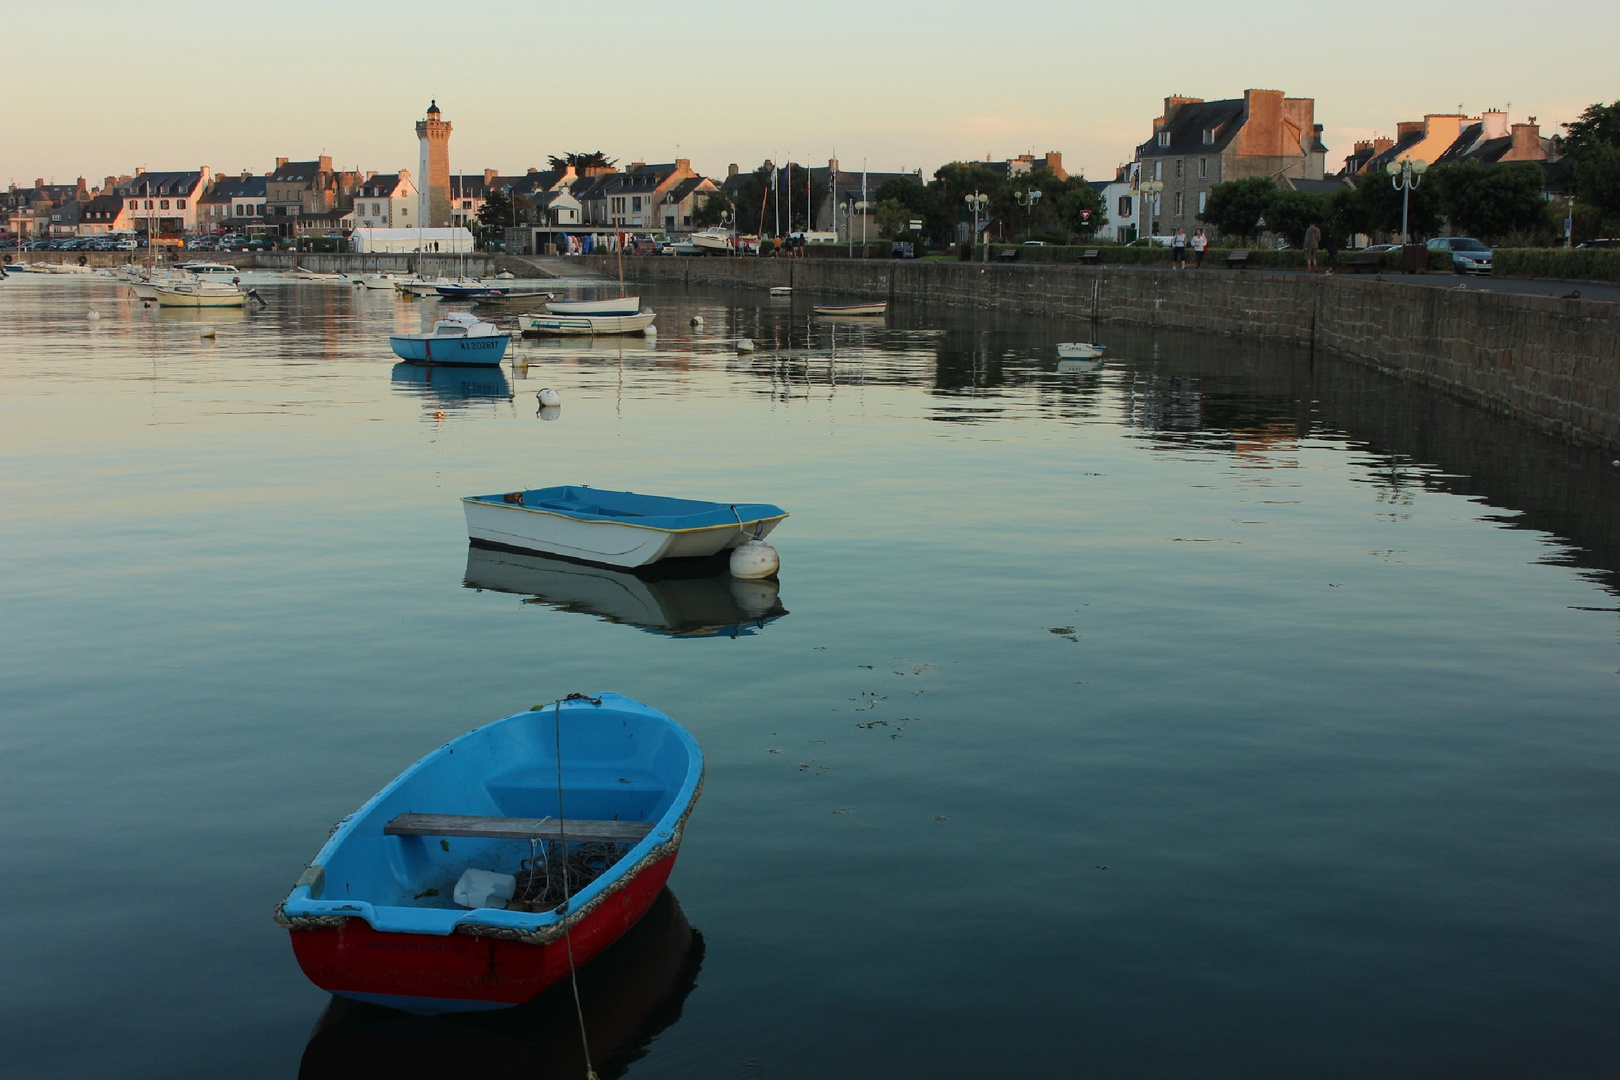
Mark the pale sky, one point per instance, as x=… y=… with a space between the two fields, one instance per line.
x=97 y=88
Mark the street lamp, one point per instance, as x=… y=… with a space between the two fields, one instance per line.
x=1028 y=199
x=1150 y=191
x=978 y=202
x=844 y=212
x=1405 y=175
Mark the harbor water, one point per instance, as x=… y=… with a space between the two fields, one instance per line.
x=1219 y=710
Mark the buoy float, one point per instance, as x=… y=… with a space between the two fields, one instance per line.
x=92 y=314
x=549 y=397
x=745 y=345
x=650 y=332
x=754 y=559
x=550 y=412
x=697 y=320
x=207 y=332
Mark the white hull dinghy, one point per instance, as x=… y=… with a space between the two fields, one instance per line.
x=587 y=325
x=851 y=309
x=618 y=305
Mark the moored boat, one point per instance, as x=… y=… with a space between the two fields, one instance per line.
x=618 y=305
x=583 y=325
x=613 y=528
x=198 y=293
x=851 y=309
x=1079 y=350
x=458 y=338
x=557 y=827
x=712 y=241
x=781 y=290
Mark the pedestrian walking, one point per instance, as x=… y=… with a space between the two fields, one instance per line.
x=1313 y=240
x=1331 y=244
x=1178 y=246
x=1199 y=243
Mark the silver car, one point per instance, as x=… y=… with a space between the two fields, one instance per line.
x=1468 y=256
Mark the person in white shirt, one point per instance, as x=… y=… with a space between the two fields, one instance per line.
x=1199 y=243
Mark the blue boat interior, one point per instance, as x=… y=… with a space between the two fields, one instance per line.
x=653 y=511
x=622 y=762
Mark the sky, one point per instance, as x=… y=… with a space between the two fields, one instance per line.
x=896 y=84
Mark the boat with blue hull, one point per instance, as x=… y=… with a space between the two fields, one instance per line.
x=577 y=805
x=613 y=528
x=458 y=338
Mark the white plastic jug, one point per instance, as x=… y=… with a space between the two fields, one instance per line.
x=484 y=888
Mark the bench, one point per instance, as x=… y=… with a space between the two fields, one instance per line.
x=1090 y=255
x=1237 y=260
x=517 y=828
x=1365 y=260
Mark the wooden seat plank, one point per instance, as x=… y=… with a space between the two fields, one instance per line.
x=516 y=828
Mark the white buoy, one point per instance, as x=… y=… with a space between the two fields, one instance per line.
x=549 y=397
x=754 y=559
x=550 y=412
x=745 y=345
x=650 y=332
x=92 y=314
x=697 y=320
x=207 y=332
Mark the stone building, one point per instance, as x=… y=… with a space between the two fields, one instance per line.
x=433 y=168
x=299 y=188
x=1197 y=144
x=386 y=201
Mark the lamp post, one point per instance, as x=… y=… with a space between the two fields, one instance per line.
x=844 y=212
x=1406 y=175
x=1028 y=199
x=1150 y=193
x=977 y=202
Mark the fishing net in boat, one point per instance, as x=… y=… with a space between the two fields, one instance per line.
x=540 y=882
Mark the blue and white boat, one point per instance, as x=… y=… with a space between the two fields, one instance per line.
x=488 y=870
x=613 y=528
x=458 y=338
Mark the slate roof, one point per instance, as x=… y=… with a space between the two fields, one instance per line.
x=1188 y=125
x=682 y=190
x=103 y=208
x=1317 y=187
x=378 y=187
x=1394 y=153
x=160 y=183
x=296 y=171
x=223 y=191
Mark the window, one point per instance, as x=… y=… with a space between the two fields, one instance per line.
x=1179 y=202
x=1158 y=170
x=180 y=204
x=1178 y=168
x=163 y=204
x=635 y=203
x=1203 y=201
x=134 y=204
x=1209 y=136
x=1203 y=167
x=1124 y=206
x=1164 y=138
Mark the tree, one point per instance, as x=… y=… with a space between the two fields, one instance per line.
x=959 y=179
x=893 y=218
x=1080 y=208
x=1235 y=207
x=1489 y=201
x=596 y=159
x=1292 y=212
x=712 y=210
x=761 y=204
x=1380 y=205
x=1594 y=143
x=498 y=213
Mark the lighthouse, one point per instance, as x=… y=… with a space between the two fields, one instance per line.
x=434 y=169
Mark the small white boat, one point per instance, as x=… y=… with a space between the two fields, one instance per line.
x=781 y=290
x=585 y=325
x=618 y=305
x=207 y=269
x=419 y=287
x=301 y=274
x=377 y=281
x=458 y=338
x=851 y=309
x=517 y=296
x=613 y=528
x=1079 y=350
x=199 y=292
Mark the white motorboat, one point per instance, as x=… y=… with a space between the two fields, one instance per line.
x=712 y=241
x=199 y=292
x=613 y=528
x=420 y=287
x=208 y=269
x=301 y=274
x=377 y=281
x=458 y=338
x=1079 y=350
x=586 y=325
x=619 y=305
x=781 y=290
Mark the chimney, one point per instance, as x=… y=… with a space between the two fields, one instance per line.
x=1526 y=143
x=683 y=166
x=109 y=183
x=326 y=163
x=39 y=182
x=832 y=164
x=280 y=161
x=1382 y=143
x=1408 y=127
x=1494 y=124
x=531 y=171
x=490 y=175
x=1173 y=103
x=731 y=170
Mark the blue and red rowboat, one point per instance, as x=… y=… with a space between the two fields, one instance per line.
x=374 y=918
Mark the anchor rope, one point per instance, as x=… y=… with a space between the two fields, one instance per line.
x=562 y=839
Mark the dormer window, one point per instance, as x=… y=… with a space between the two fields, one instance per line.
x=1209 y=136
x=1164 y=138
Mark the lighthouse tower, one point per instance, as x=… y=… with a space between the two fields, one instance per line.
x=434 y=169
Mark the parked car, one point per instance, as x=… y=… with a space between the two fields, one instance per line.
x=1468 y=256
x=1606 y=242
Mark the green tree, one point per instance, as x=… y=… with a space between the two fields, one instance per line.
x=1235 y=207
x=1594 y=143
x=596 y=159
x=498 y=212
x=893 y=217
x=1080 y=209
x=954 y=182
x=712 y=210
x=1489 y=201
x=1292 y=212
x=1381 y=206
x=922 y=203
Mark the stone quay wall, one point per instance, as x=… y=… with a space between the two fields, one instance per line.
x=1546 y=361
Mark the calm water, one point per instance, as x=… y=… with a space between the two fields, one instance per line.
x=1219 y=712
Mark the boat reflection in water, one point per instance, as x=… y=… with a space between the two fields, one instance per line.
x=629 y=994
x=452 y=383
x=678 y=598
